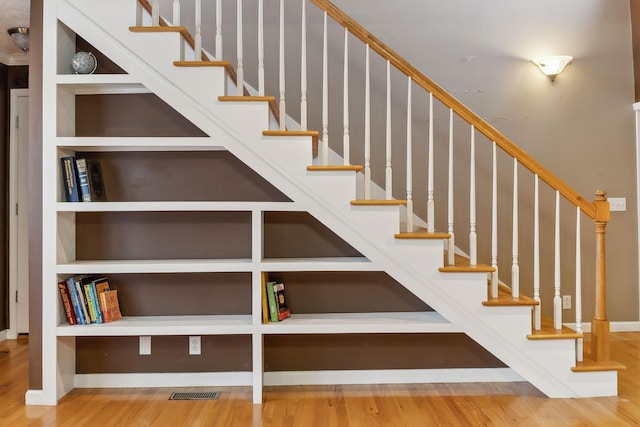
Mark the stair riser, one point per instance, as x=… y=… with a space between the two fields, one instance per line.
x=336 y=188
x=246 y=120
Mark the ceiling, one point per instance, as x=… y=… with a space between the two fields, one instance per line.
x=13 y=13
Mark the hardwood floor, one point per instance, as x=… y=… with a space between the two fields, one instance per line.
x=495 y=404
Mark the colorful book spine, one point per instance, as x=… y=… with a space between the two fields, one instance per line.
x=70 y=179
x=271 y=297
x=75 y=300
x=265 y=304
x=281 y=301
x=66 y=303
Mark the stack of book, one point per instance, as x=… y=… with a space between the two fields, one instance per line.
x=89 y=299
x=274 y=302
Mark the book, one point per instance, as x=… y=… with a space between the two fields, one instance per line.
x=99 y=286
x=271 y=298
x=281 y=302
x=75 y=301
x=70 y=179
x=265 y=304
x=66 y=303
x=90 y=303
x=90 y=180
x=111 y=305
x=80 y=280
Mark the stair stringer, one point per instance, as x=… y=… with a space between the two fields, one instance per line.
x=282 y=160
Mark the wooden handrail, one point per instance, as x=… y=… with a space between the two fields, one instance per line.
x=447 y=99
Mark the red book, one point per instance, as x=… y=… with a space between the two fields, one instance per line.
x=66 y=302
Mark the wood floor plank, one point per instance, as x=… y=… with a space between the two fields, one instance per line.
x=471 y=404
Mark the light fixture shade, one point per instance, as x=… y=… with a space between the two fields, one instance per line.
x=20 y=36
x=552 y=65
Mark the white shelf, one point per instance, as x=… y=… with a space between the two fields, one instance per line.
x=361 y=323
x=175 y=206
x=156 y=266
x=162 y=325
x=92 y=84
x=203 y=143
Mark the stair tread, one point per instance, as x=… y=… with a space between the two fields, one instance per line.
x=242 y=98
x=419 y=234
x=201 y=63
x=505 y=299
x=548 y=332
x=462 y=265
x=355 y=168
x=314 y=134
x=588 y=365
x=380 y=202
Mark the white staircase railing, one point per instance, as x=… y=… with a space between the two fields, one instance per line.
x=433 y=142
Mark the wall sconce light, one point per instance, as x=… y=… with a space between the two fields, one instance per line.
x=551 y=66
x=20 y=37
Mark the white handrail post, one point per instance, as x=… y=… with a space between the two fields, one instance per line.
x=261 y=47
x=451 y=246
x=325 y=95
x=240 y=68
x=282 y=105
x=367 y=124
x=345 y=98
x=388 y=174
x=473 y=237
x=494 y=222
x=430 y=203
x=219 y=29
x=409 y=161
x=579 y=341
x=155 y=13
x=197 y=46
x=176 y=13
x=515 y=266
x=303 y=68
x=557 y=300
x=537 y=317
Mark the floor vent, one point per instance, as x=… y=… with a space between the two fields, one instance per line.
x=207 y=395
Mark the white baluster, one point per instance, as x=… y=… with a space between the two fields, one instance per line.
x=557 y=300
x=345 y=102
x=155 y=13
x=494 y=222
x=537 y=320
x=579 y=341
x=451 y=247
x=219 y=29
x=430 y=203
x=388 y=176
x=325 y=95
x=303 y=69
x=261 y=47
x=367 y=125
x=515 y=266
x=409 y=161
x=282 y=105
x=176 y=12
x=240 y=68
x=197 y=46
x=473 y=237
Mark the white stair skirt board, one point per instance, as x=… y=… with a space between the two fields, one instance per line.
x=392 y=376
x=186 y=379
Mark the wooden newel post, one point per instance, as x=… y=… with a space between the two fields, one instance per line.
x=600 y=324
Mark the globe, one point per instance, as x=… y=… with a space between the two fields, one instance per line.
x=84 y=63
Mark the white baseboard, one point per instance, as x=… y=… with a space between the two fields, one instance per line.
x=632 y=326
x=391 y=376
x=186 y=379
x=36 y=397
x=3 y=335
x=227 y=379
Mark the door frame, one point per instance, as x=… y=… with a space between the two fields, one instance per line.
x=14 y=184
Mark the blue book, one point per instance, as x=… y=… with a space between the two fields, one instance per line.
x=75 y=301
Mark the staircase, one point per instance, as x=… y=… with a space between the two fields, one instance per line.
x=548 y=356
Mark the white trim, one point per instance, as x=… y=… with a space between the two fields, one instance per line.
x=633 y=326
x=3 y=335
x=183 y=379
x=36 y=397
x=636 y=108
x=14 y=59
x=229 y=379
x=392 y=376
